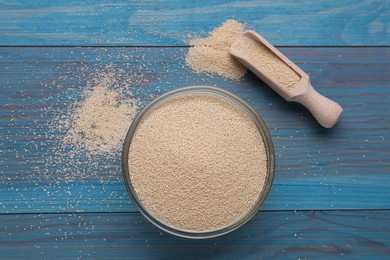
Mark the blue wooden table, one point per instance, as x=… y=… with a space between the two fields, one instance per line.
x=331 y=194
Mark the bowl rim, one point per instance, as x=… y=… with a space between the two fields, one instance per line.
x=244 y=107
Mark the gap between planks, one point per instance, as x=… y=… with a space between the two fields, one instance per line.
x=139 y=213
x=184 y=46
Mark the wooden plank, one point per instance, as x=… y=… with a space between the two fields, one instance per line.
x=290 y=235
x=343 y=168
x=166 y=23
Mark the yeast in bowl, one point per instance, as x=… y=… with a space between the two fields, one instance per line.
x=198 y=162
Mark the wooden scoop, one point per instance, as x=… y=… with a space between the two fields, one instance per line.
x=279 y=72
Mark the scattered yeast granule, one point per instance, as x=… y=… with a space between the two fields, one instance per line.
x=211 y=54
x=263 y=57
x=100 y=121
x=94 y=124
x=197 y=162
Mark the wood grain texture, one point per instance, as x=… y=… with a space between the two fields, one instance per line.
x=287 y=235
x=170 y=22
x=343 y=168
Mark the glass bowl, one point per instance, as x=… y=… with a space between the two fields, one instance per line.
x=250 y=112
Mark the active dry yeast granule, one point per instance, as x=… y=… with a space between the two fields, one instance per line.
x=197 y=162
x=263 y=57
x=211 y=54
x=86 y=133
x=100 y=121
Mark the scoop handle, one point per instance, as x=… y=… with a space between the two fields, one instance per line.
x=324 y=110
